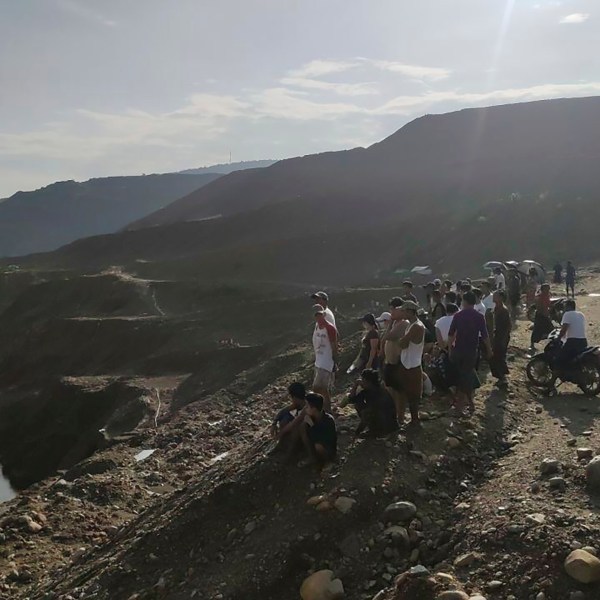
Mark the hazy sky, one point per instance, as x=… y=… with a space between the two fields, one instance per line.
x=106 y=87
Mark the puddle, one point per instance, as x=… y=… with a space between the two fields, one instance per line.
x=218 y=458
x=144 y=454
x=6 y=491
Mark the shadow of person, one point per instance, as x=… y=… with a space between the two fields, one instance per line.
x=576 y=412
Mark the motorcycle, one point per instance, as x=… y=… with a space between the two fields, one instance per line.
x=557 y=309
x=583 y=370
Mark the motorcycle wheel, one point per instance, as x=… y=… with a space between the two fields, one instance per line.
x=590 y=378
x=539 y=372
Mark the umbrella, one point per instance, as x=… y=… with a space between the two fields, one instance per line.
x=532 y=264
x=493 y=264
x=422 y=270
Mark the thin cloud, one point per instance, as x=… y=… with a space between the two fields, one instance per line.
x=575 y=19
x=342 y=89
x=413 y=71
x=84 y=12
x=319 y=68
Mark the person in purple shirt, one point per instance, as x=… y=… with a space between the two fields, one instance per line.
x=467 y=328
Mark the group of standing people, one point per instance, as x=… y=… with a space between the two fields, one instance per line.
x=406 y=351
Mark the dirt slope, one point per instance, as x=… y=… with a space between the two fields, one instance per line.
x=237 y=525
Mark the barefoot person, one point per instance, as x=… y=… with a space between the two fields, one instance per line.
x=325 y=344
x=502 y=327
x=391 y=349
x=467 y=328
x=411 y=359
x=319 y=434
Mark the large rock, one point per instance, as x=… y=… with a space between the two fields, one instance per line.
x=400 y=512
x=452 y=595
x=583 y=566
x=549 y=466
x=592 y=472
x=322 y=586
x=344 y=504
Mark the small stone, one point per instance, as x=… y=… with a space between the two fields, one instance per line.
x=344 y=504
x=452 y=595
x=591 y=550
x=536 y=519
x=571 y=442
x=419 y=571
x=400 y=512
x=322 y=586
x=250 y=527
x=584 y=453
x=535 y=487
x=315 y=500
x=453 y=442
x=557 y=483
x=465 y=560
x=398 y=535
x=477 y=597
x=495 y=584
x=324 y=506
x=549 y=466
x=583 y=566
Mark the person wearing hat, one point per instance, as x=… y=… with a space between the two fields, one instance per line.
x=325 y=344
x=407 y=294
x=322 y=299
x=411 y=346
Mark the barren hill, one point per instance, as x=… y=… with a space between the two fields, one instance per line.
x=59 y=213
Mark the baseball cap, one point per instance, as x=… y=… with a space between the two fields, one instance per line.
x=384 y=317
x=410 y=305
x=321 y=296
x=396 y=302
x=407 y=282
x=437 y=282
x=318 y=309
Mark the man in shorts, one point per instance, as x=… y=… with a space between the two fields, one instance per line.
x=391 y=368
x=466 y=330
x=325 y=344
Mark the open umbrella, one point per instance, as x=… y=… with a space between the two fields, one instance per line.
x=421 y=270
x=493 y=264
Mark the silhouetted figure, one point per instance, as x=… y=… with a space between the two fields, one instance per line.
x=570 y=279
x=558 y=271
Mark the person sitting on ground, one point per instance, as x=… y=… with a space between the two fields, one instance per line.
x=411 y=364
x=322 y=299
x=502 y=327
x=466 y=330
x=319 y=433
x=573 y=332
x=407 y=294
x=375 y=407
x=542 y=323
x=290 y=416
x=442 y=326
x=438 y=310
x=325 y=344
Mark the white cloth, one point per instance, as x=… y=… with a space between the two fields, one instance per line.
x=329 y=316
x=480 y=308
x=412 y=356
x=323 y=349
x=576 y=322
x=500 y=282
x=488 y=302
x=443 y=325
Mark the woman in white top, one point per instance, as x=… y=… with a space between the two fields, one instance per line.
x=411 y=371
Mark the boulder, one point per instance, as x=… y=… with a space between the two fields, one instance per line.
x=584 y=453
x=344 y=504
x=400 y=512
x=322 y=586
x=583 y=566
x=452 y=595
x=557 y=483
x=592 y=472
x=398 y=535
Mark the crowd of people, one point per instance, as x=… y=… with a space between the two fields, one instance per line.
x=412 y=349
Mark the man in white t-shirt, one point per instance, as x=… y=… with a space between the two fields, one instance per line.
x=499 y=279
x=322 y=299
x=442 y=325
x=325 y=345
x=573 y=332
x=487 y=298
x=480 y=306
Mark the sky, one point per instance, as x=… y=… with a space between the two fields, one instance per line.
x=93 y=88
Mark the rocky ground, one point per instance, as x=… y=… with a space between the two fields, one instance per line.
x=490 y=507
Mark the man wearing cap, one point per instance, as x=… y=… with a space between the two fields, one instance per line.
x=391 y=350
x=408 y=291
x=325 y=344
x=322 y=299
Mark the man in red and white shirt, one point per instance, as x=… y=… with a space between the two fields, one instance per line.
x=325 y=344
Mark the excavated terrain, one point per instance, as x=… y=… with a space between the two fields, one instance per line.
x=181 y=498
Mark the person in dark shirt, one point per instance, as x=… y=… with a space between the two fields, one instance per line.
x=438 y=310
x=319 y=433
x=502 y=327
x=558 y=271
x=467 y=328
x=375 y=407
x=570 y=279
x=407 y=293
x=290 y=416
